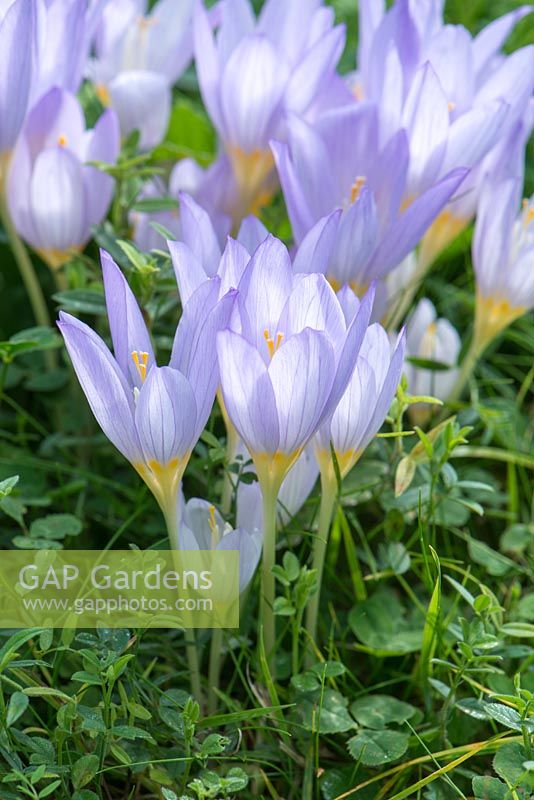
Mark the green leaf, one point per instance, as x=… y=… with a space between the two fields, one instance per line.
x=380 y=623
x=509 y=762
x=521 y=630
x=84 y=301
x=379 y=710
x=329 y=669
x=487 y=788
x=327 y=713
x=508 y=717
x=374 y=748
x=56 y=526
x=47 y=791
x=131 y=733
x=517 y=538
x=18 y=703
x=27 y=543
x=190 y=133
x=7 y=485
x=84 y=770
x=495 y=563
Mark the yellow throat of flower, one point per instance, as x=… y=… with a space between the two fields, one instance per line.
x=252 y=173
x=493 y=315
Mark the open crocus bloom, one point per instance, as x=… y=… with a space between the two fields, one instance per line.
x=253 y=73
x=54 y=196
x=503 y=257
x=138 y=57
x=366 y=400
x=203 y=528
x=431 y=339
x=456 y=95
x=286 y=372
x=153 y=415
x=339 y=164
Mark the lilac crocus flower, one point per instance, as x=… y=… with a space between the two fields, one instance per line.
x=139 y=55
x=299 y=353
x=252 y=74
x=203 y=528
x=366 y=401
x=54 y=196
x=431 y=339
x=153 y=415
x=339 y=164
x=18 y=47
x=456 y=95
x=503 y=257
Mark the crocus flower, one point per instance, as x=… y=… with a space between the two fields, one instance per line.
x=139 y=55
x=18 y=44
x=252 y=74
x=299 y=353
x=366 y=401
x=339 y=164
x=54 y=196
x=456 y=95
x=430 y=339
x=503 y=257
x=153 y=415
x=203 y=528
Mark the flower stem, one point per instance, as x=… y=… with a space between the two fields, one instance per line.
x=26 y=269
x=466 y=370
x=328 y=499
x=214 y=675
x=194 y=665
x=267 y=619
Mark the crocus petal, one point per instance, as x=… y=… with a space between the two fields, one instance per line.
x=232 y=266
x=142 y=101
x=249 y=546
x=315 y=251
x=128 y=330
x=252 y=85
x=349 y=353
x=387 y=392
x=248 y=393
x=491 y=38
x=351 y=416
x=403 y=235
x=194 y=350
x=313 y=304
x=301 y=216
x=17 y=32
x=493 y=230
x=207 y=64
x=104 y=146
x=57 y=197
x=357 y=239
x=104 y=386
x=190 y=273
x=165 y=416
x=473 y=134
x=426 y=117
x=387 y=177
x=198 y=234
x=263 y=290
x=237 y=21
x=302 y=373
x=199 y=516
x=318 y=63
x=252 y=232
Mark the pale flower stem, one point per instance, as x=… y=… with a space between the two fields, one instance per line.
x=320 y=544
x=29 y=278
x=466 y=370
x=214 y=675
x=398 y=313
x=172 y=518
x=267 y=618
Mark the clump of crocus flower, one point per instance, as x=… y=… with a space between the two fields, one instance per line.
x=55 y=196
x=250 y=76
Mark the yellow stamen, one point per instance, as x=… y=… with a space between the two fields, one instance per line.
x=529 y=215
x=102 y=92
x=357 y=187
x=62 y=140
x=273 y=346
x=357 y=91
x=451 y=106
x=141 y=362
x=214 y=528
